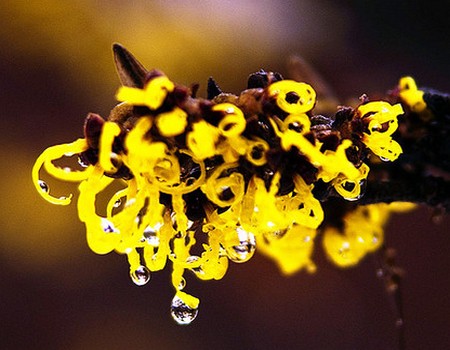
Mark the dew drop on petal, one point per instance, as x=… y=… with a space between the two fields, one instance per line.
x=277 y=234
x=344 y=250
x=380 y=273
x=198 y=270
x=82 y=162
x=140 y=276
x=243 y=251
x=108 y=226
x=151 y=235
x=130 y=202
x=43 y=185
x=117 y=203
x=362 y=186
x=181 y=313
x=173 y=217
x=182 y=284
x=375 y=239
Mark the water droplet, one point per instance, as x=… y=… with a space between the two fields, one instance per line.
x=117 y=203
x=198 y=270
x=182 y=284
x=375 y=239
x=362 y=190
x=181 y=313
x=279 y=233
x=43 y=185
x=151 y=235
x=140 y=276
x=344 y=249
x=243 y=251
x=399 y=322
x=363 y=187
x=274 y=235
x=130 y=202
x=108 y=226
x=173 y=217
x=385 y=159
x=82 y=162
x=191 y=259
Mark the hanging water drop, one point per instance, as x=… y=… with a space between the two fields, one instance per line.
x=182 y=284
x=43 y=185
x=380 y=273
x=349 y=186
x=117 y=203
x=108 y=226
x=277 y=234
x=140 y=276
x=173 y=217
x=243 y=251
x=363 y=187
x=399 y=322
x=82 y=162
x=197 y=269
x=151 y=235
x=182 y=313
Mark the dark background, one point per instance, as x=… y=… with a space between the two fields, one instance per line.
x=56 y=66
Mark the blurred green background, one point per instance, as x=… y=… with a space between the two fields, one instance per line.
x=56 y=66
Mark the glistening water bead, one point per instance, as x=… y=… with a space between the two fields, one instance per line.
x=151 y=236
x=182 y=313
x=117 y=203
x=140 y=276
x=108 y=226
x=243 y=251
x=43 y=185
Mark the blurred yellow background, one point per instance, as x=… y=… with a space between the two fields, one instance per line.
x=56 y=66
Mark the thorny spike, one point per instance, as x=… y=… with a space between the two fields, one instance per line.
x=213 y=89
x=131 y=72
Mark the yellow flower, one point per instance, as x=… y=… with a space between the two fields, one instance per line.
x=362 y=233
x=411 y=95
x=382 y=123
x=201 y=187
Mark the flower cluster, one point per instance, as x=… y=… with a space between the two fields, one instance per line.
x=206 y=181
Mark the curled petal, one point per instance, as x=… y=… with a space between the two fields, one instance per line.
x=51 y=154
x=293 y=97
